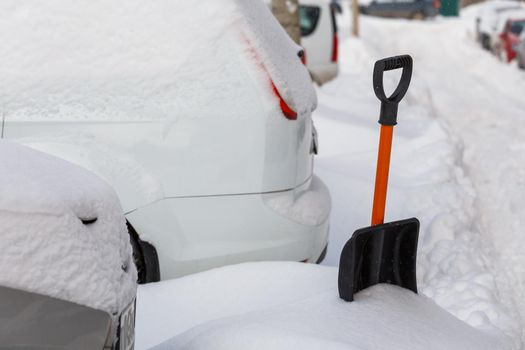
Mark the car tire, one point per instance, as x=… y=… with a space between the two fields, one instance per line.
x=322 y=256
x=145 y=258
x=485 y=42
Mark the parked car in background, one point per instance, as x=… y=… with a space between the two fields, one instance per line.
x=200 y=120
x=520 y=51
x=411 y=9
x=68 y=280
x=319 y=38
x=503 y=32
x=509 y=39
x=488 y=17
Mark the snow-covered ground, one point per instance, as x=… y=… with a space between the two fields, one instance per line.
x=458 y=165
x=458 y=162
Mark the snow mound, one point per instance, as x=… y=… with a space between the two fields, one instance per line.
x=297 y=305
x=46 y=248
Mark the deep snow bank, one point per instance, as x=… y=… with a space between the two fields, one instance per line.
x=456 y=162
x=45 y=247
x=294 y=305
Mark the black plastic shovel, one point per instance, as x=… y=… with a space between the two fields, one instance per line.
x=382 y=253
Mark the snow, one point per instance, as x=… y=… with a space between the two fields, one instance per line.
x=135 y=59
x=292 y=305
x=457 y=165
x=45 y=246
x=456 y=162
x=310 y=207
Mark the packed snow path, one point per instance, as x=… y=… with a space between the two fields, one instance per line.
x=458 y=162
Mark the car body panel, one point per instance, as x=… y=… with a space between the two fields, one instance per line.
x=198 y=233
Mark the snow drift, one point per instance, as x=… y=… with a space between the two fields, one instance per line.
x=294 y=305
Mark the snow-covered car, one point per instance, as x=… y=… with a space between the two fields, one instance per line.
x=412 y=9
x=199 y=119
x=487 y=19
x=68 y=280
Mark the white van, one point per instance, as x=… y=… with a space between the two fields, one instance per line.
x=199 y=118
x=319 y=38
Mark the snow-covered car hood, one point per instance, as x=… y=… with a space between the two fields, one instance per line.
x=62 y=232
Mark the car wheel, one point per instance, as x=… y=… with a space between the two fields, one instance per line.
x=145 y=258
x=322 y=256
x=485 y=42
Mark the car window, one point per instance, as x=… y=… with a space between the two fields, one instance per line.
x=308 y=17
x=517 y=27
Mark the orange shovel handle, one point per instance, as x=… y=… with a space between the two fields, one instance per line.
x=383 y=165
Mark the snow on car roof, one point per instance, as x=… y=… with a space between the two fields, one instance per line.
x=139 y=59
x=46 y=248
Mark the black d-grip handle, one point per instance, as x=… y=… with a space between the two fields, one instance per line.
x=388 y=115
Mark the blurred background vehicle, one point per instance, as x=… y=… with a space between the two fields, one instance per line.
x=504 y=28
x=411 y=9
x=520 y=51
x=210 y=151
x=319 y=37
x=488 y=17
x=509 y=39
x=68 y=280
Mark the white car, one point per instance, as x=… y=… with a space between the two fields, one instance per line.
x=319 y=38
x=68 y=280
x=199 y=117
x=488 y=17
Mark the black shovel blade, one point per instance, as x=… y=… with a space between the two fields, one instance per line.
x=379 y=254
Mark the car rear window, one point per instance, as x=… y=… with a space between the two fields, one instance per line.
x=308 y=17
x=517 y=27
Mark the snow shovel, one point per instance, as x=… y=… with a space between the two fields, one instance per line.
x=383 y=252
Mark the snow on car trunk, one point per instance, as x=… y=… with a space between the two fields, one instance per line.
x=62 y=232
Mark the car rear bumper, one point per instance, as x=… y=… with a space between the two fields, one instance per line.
x=198 y=233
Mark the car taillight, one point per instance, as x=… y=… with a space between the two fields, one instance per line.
x=335 y=48
x=287 y=111
x=436 y=4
